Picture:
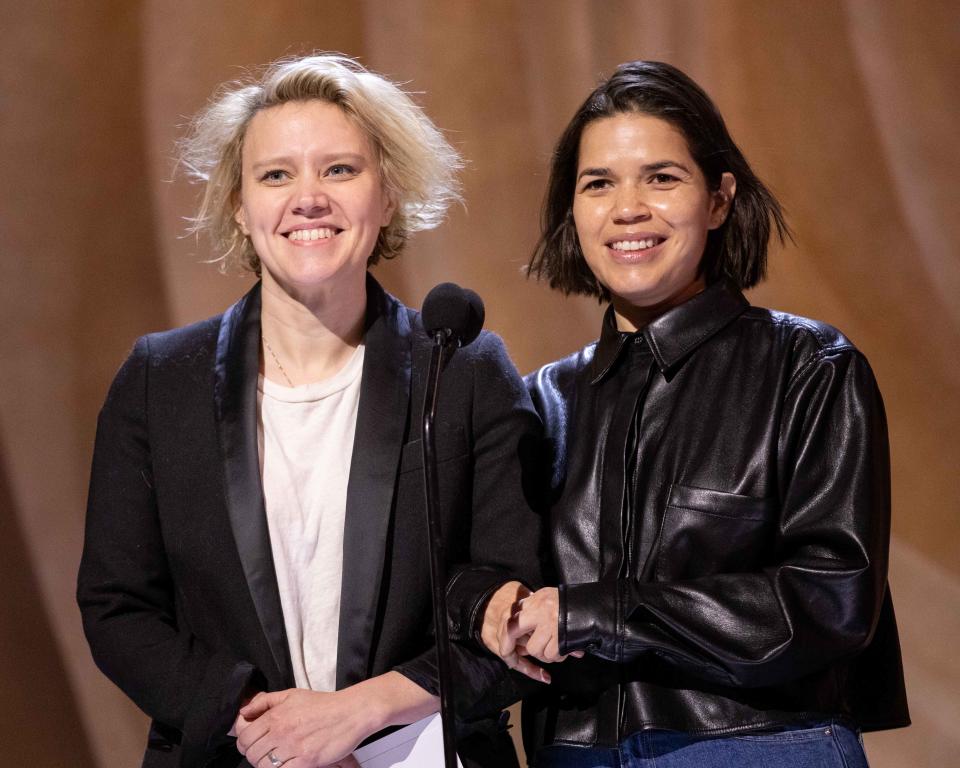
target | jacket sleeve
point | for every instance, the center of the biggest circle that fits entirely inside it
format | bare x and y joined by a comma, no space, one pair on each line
818,598
125,591
504,530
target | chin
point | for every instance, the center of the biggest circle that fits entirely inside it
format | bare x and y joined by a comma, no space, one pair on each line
638,297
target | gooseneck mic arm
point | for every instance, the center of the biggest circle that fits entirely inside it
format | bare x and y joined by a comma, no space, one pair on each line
452,317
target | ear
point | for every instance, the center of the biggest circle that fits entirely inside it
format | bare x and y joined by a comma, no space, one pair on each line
241,220
389,208
722,199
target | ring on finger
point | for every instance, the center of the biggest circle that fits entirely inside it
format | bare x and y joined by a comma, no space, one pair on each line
275,762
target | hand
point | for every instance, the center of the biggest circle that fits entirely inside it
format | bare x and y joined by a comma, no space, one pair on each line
493,632
239,722
304,728
534,628
308,729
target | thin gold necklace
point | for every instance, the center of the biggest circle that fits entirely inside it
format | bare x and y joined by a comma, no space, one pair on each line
276,360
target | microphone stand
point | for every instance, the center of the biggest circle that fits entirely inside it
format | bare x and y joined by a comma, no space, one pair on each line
438,567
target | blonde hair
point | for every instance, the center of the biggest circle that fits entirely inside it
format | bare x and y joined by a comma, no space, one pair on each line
418,167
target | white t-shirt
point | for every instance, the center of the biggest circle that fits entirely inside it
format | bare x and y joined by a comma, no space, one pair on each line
305,437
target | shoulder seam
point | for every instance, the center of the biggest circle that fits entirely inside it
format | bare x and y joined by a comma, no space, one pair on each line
817,357
798,322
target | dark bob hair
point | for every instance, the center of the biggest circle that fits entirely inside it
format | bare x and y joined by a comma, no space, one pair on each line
736,251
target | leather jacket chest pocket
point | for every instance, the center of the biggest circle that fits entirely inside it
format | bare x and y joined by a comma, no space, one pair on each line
706,532
451,443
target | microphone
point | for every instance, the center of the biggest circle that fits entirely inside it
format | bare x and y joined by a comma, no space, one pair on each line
452,316
455,312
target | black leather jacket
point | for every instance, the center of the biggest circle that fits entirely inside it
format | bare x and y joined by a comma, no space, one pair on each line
719,526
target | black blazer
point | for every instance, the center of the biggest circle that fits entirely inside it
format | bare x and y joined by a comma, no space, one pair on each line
177,586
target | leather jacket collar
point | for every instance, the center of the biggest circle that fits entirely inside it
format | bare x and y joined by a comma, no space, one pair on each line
673,335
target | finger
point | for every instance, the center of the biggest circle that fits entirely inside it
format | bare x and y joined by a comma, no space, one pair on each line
510,622
548,649
260,704
511,660
537,643
249,735
505,643
239,726
552,650
510,628
512,636
257,755
491,630
521,595
513,645
521,624
578,654
531,670
498,610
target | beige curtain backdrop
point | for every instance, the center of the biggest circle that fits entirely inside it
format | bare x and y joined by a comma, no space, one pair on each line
847,108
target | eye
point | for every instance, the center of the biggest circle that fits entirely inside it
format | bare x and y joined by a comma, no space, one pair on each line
274,176
595,185
341,169
664,178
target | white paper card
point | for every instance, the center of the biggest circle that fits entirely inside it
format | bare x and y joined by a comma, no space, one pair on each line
418,745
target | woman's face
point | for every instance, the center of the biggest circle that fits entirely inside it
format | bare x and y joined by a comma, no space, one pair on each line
311,198
642,210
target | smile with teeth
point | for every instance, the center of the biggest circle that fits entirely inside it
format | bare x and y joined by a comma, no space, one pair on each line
635,245
321,233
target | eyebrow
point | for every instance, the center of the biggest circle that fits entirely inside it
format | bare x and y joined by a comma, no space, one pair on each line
593,172
648,168
333,157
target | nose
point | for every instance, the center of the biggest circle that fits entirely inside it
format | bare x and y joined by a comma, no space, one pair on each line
311,200
630,205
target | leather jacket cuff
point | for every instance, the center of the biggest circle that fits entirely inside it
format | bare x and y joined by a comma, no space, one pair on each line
467,596
588,619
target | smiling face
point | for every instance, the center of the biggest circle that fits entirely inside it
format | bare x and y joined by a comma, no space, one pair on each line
311,199
642,211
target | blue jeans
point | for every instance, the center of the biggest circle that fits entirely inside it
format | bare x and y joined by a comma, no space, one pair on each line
826,745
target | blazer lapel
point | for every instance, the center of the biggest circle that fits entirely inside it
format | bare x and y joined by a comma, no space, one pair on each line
380,433
235,392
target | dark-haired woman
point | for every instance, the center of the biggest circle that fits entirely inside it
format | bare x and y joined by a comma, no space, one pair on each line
720,487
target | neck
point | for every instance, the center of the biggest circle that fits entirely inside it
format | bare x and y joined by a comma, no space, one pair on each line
311,338
633,317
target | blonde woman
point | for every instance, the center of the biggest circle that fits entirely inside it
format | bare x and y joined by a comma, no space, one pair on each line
255,563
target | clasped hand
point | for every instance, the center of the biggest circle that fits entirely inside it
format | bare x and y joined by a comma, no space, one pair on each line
518,624
301,729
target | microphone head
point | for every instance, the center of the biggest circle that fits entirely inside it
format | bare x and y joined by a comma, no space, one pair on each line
455,309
